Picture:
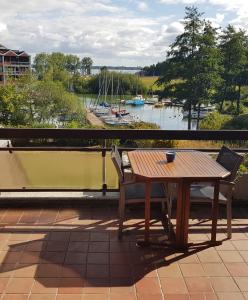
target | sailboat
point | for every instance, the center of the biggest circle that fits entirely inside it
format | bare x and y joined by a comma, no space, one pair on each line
136,101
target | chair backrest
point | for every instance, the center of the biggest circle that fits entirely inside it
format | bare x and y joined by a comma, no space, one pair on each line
230,160
116,158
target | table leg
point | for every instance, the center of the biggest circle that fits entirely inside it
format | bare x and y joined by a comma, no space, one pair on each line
215,211
183,207
147,211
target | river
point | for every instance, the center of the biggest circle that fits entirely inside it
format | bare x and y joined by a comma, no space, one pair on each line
167,117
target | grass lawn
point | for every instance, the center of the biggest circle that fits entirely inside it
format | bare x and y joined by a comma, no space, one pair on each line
149,81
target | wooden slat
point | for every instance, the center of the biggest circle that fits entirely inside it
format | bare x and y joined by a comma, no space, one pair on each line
188,164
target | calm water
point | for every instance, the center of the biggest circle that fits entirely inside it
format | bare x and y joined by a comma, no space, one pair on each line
165,117
170,118
126,71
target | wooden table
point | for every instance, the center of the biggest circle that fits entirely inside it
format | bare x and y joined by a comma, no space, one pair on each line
188,167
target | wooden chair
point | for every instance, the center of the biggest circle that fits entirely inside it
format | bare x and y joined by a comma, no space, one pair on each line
204,193
134,192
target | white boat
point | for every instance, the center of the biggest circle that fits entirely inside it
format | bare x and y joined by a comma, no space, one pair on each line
152,100
167,102
203,112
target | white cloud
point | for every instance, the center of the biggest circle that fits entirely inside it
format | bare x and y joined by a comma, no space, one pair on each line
181,1
108,32
142,6
100,29
3,26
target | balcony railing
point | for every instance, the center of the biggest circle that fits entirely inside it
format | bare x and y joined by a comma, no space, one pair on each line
239,136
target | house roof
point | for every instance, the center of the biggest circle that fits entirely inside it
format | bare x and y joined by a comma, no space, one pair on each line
8,52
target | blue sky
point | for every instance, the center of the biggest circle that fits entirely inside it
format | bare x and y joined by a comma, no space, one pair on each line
120,32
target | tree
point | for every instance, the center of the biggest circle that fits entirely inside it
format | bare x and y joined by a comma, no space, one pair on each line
192,70
182,60
234,50
28,102
86,64
41,64
72,63
208,79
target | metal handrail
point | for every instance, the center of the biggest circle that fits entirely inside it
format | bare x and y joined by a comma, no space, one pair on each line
213,135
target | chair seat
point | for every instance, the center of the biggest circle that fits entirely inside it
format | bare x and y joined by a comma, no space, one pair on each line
202,192
137,191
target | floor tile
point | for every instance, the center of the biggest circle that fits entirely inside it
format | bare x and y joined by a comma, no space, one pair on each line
70,286
75,258
150,297
98,258
173,286
45,286
242,283
16,297
97,286
78,246
171,270
69,297
99,247
209,256
3,284
130,296
98,271
191,270
224,284
215,269
241,245
79,236
230,296
148,286
237,269
25,270
198,284
19,285
230,256
99,236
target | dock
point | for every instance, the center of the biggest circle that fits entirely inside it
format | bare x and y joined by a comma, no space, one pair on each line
94,120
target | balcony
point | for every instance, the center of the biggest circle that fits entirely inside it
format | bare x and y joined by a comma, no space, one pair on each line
60,250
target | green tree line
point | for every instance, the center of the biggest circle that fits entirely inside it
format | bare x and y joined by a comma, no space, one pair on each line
74,73
205,65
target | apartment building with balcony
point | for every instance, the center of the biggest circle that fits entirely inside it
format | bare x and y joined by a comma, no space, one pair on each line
13,63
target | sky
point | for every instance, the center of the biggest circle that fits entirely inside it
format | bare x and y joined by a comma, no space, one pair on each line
111,32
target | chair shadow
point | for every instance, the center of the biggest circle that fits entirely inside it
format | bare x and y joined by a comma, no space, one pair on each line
65,254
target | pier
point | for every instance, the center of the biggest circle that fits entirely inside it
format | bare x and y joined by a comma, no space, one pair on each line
94,120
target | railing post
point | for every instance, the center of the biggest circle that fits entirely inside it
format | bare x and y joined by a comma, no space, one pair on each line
104,184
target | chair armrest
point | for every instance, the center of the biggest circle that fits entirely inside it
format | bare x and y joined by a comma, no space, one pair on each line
228,183
226,188
126,166
128,182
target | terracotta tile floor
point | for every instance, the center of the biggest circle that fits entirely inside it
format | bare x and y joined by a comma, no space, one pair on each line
74,253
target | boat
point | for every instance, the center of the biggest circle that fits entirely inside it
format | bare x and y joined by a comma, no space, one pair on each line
158,105
152,100
119,112
167,102
104,104
136,101
203,112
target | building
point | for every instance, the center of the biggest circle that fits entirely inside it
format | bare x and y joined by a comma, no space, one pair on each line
13,63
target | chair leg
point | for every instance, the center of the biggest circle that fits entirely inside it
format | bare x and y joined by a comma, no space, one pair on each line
169,206
121,211
229,217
